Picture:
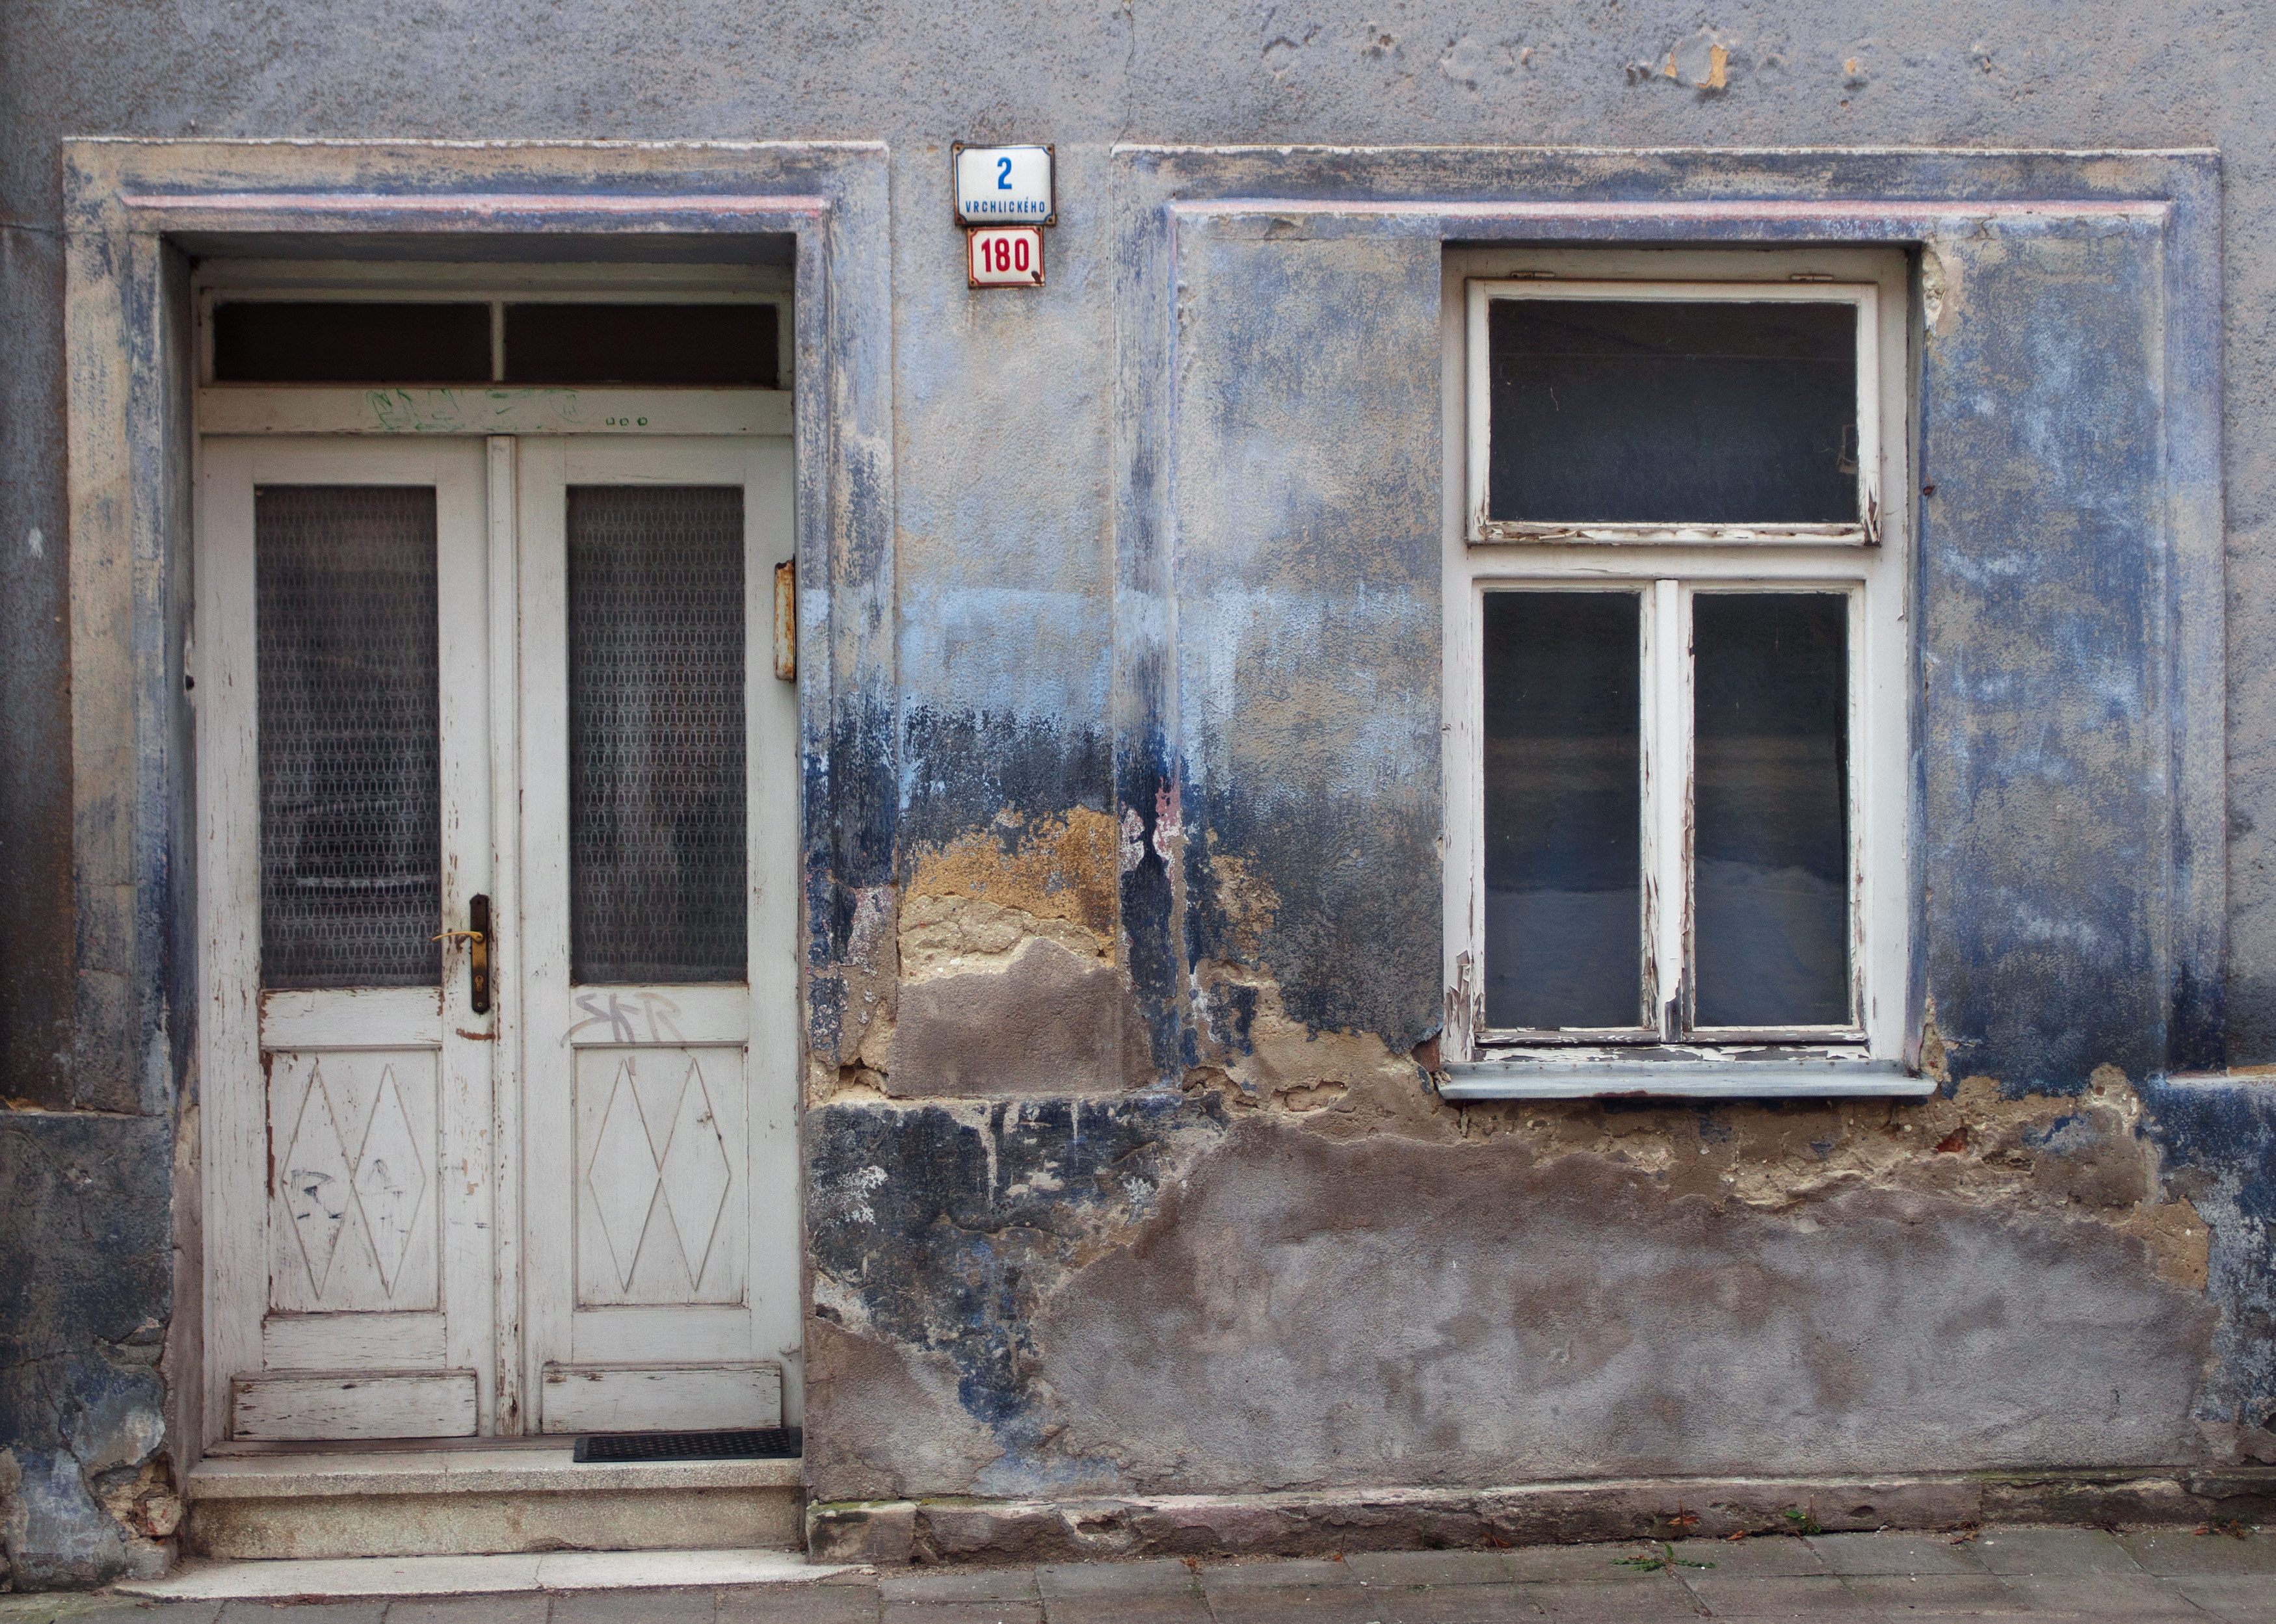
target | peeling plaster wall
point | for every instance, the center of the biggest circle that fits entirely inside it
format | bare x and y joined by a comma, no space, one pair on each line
1125,1174
86,1283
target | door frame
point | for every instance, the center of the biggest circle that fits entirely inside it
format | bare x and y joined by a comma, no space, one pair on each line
534,414
141,215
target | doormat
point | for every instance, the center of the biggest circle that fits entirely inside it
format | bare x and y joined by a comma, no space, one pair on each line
744,1444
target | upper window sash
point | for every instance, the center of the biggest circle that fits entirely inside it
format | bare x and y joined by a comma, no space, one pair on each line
1483,529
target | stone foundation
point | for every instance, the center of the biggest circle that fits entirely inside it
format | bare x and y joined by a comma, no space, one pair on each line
1332,1522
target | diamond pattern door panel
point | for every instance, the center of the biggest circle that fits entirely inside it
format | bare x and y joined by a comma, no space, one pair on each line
660,1203
352,1209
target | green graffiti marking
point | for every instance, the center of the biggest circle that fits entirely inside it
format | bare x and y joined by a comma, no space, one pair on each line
460,412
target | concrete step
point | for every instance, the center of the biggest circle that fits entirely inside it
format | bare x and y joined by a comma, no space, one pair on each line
364,1578
456,1502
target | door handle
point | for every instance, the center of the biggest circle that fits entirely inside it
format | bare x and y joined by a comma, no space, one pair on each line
477,939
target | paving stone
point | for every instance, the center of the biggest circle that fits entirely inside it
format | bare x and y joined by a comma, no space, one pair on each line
118,1610
1332,1604
1569,1564
1753,1559
690,1606
2233,1599
1897,1553
799,1604
1937,1595
314,1612
1374,1604
1229,1578
2104,1596
1652,1599
963,1612
1455,1604
2177,1550
1404,1568
77,1608
959,1584
1790,1595
2054,1552
1191,1608
526,1609
1168,1576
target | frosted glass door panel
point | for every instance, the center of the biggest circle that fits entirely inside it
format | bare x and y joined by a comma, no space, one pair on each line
350,735
657,859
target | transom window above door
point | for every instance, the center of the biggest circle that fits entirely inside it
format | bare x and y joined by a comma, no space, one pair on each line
707,343
328,347
1676,639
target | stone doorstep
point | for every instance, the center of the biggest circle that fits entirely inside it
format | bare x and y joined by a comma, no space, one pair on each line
477,1575
518,1471
474,1502
1323,1522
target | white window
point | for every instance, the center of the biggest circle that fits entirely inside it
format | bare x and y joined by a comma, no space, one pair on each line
1676,645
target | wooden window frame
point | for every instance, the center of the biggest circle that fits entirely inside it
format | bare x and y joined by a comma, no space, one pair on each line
1667,567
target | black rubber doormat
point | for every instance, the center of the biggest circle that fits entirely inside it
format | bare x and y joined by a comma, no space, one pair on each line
742,1444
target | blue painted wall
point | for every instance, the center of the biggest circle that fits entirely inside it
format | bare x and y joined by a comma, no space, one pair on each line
1164,621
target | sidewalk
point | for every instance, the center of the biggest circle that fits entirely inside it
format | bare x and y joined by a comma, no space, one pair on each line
2076,1573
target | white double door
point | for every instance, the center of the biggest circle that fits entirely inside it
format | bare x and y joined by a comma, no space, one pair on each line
543,1178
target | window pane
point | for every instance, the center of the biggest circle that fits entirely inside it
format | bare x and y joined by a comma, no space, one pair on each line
1771,925
343,341
349,715
1631,411
1563,809
656,734
722,345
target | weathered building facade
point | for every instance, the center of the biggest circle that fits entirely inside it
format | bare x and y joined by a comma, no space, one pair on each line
1121,1127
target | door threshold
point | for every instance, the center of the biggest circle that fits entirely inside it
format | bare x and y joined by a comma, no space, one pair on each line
349,1577
237,1448
548,1468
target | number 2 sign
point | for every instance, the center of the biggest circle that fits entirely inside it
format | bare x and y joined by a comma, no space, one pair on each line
1004,186
1004,256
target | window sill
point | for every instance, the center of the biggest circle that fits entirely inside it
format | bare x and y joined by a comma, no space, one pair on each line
1680,1079
1535,533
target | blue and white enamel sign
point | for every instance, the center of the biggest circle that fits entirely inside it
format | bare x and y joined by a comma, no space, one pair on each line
1004,186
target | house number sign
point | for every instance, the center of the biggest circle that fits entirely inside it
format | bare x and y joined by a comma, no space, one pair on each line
1004,256
1005,196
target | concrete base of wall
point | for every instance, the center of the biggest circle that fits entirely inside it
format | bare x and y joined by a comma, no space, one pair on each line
480,1503
1330,1521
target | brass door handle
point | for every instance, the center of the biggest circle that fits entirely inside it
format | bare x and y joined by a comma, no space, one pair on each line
478,941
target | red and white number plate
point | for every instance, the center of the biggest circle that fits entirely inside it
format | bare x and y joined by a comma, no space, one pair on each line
1006,256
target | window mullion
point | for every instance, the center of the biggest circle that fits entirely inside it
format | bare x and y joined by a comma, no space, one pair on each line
1669,747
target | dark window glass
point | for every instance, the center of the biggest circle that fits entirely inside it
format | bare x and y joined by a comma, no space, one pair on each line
343,342
1564,812
656,858
1771,894
723,346
1663,412
349,703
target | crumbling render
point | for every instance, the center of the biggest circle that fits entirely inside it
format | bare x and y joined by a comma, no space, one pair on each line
1030,905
